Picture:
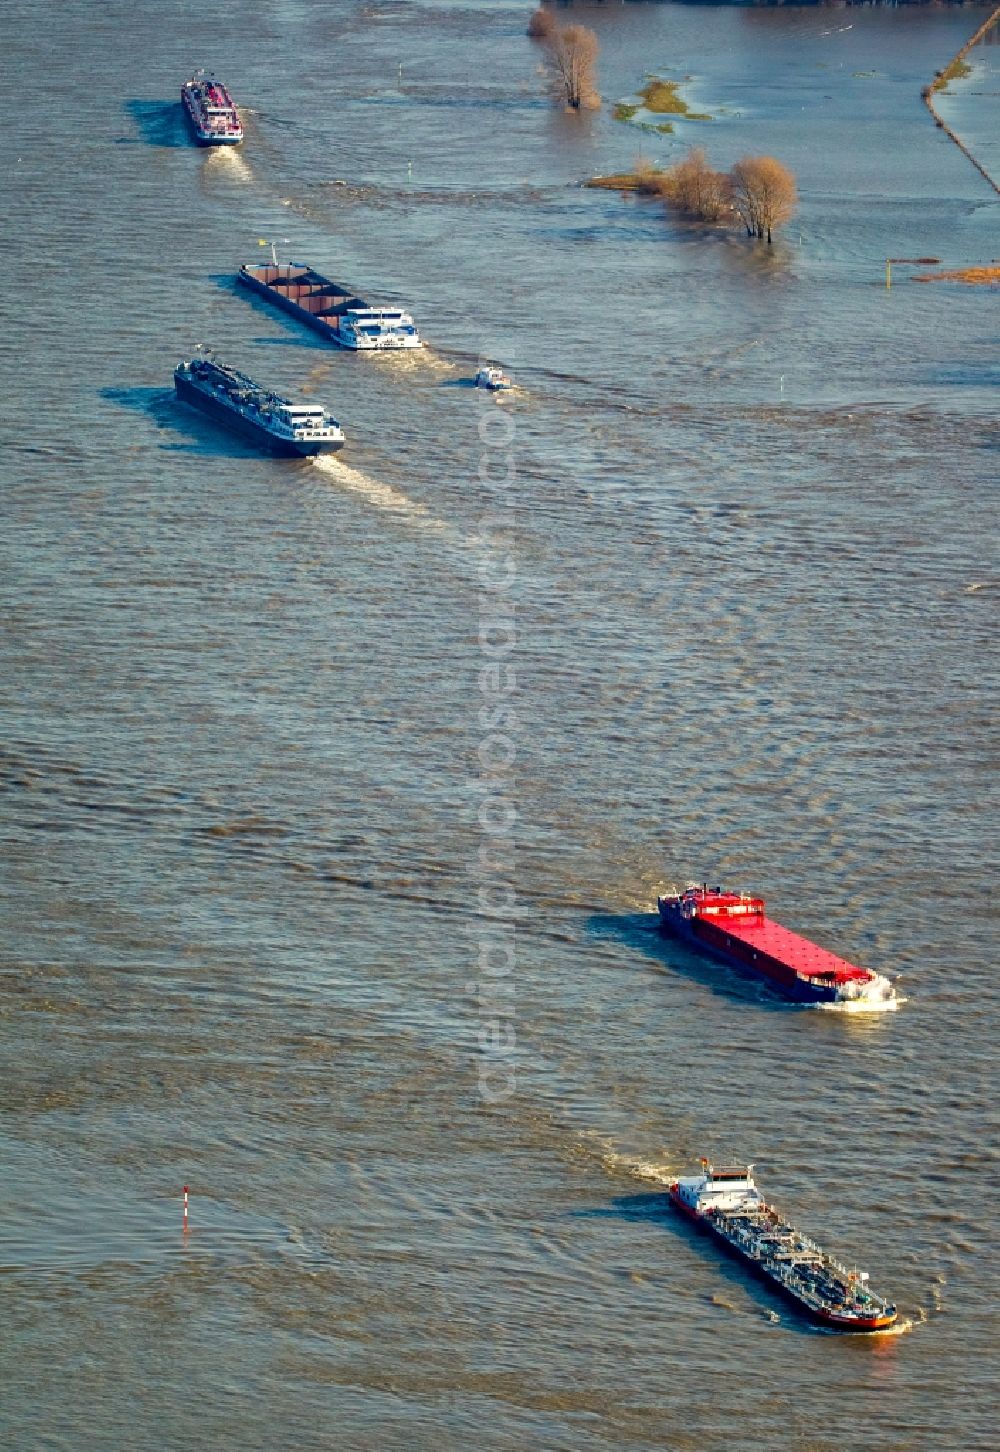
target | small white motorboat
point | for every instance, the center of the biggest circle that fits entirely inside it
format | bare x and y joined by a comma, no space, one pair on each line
493,378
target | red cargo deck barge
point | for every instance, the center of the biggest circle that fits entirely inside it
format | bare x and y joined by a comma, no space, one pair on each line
735,927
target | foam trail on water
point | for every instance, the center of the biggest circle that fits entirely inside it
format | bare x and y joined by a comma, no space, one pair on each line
383,496
642,1170
415,360
463,551
616,1163
858,1006
227,159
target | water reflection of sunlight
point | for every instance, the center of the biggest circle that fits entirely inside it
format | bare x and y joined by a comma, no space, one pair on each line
884,1350
413,360
383,496
226,162
860,1014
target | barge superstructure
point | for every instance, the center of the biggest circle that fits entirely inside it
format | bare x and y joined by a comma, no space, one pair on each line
283,427
494,379
333,310
727,1203
734,927
211,111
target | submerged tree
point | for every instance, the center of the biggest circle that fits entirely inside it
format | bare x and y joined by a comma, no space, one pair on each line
693,187
572,59
542,24
763,194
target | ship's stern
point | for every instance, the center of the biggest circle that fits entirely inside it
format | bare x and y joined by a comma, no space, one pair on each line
875,994
669,909
309,450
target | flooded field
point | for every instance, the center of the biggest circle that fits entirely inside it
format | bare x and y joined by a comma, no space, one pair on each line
726,555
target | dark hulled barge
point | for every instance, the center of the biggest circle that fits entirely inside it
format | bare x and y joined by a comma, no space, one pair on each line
299,429
727,1204
734,927
331,309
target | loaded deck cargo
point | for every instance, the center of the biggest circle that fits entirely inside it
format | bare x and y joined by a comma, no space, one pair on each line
334,310
728,1204
276,423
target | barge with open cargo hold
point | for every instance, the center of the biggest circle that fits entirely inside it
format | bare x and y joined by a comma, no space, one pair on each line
733,926
727,1204
334,311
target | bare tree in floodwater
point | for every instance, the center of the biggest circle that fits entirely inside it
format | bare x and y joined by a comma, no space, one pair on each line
764,194
542,24
693,187
572,61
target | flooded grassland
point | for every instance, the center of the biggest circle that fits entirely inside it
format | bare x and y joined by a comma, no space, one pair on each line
745,505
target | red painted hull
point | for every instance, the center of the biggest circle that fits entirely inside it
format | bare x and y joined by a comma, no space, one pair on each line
855,1323
735,928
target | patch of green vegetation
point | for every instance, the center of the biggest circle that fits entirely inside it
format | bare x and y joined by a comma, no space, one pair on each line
661,97
625,181
657,98
645,179
956,71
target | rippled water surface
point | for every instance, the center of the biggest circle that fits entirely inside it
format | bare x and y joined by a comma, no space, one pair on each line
751,535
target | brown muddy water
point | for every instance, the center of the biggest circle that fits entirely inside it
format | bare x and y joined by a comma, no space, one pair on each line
750,541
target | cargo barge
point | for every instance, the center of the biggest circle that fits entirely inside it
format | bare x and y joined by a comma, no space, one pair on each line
334,311
727,1204
211,111
233,399
733,926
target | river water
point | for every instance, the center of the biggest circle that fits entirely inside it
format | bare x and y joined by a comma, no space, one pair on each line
753,591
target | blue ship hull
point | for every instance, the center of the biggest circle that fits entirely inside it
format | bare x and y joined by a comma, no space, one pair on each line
250,429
